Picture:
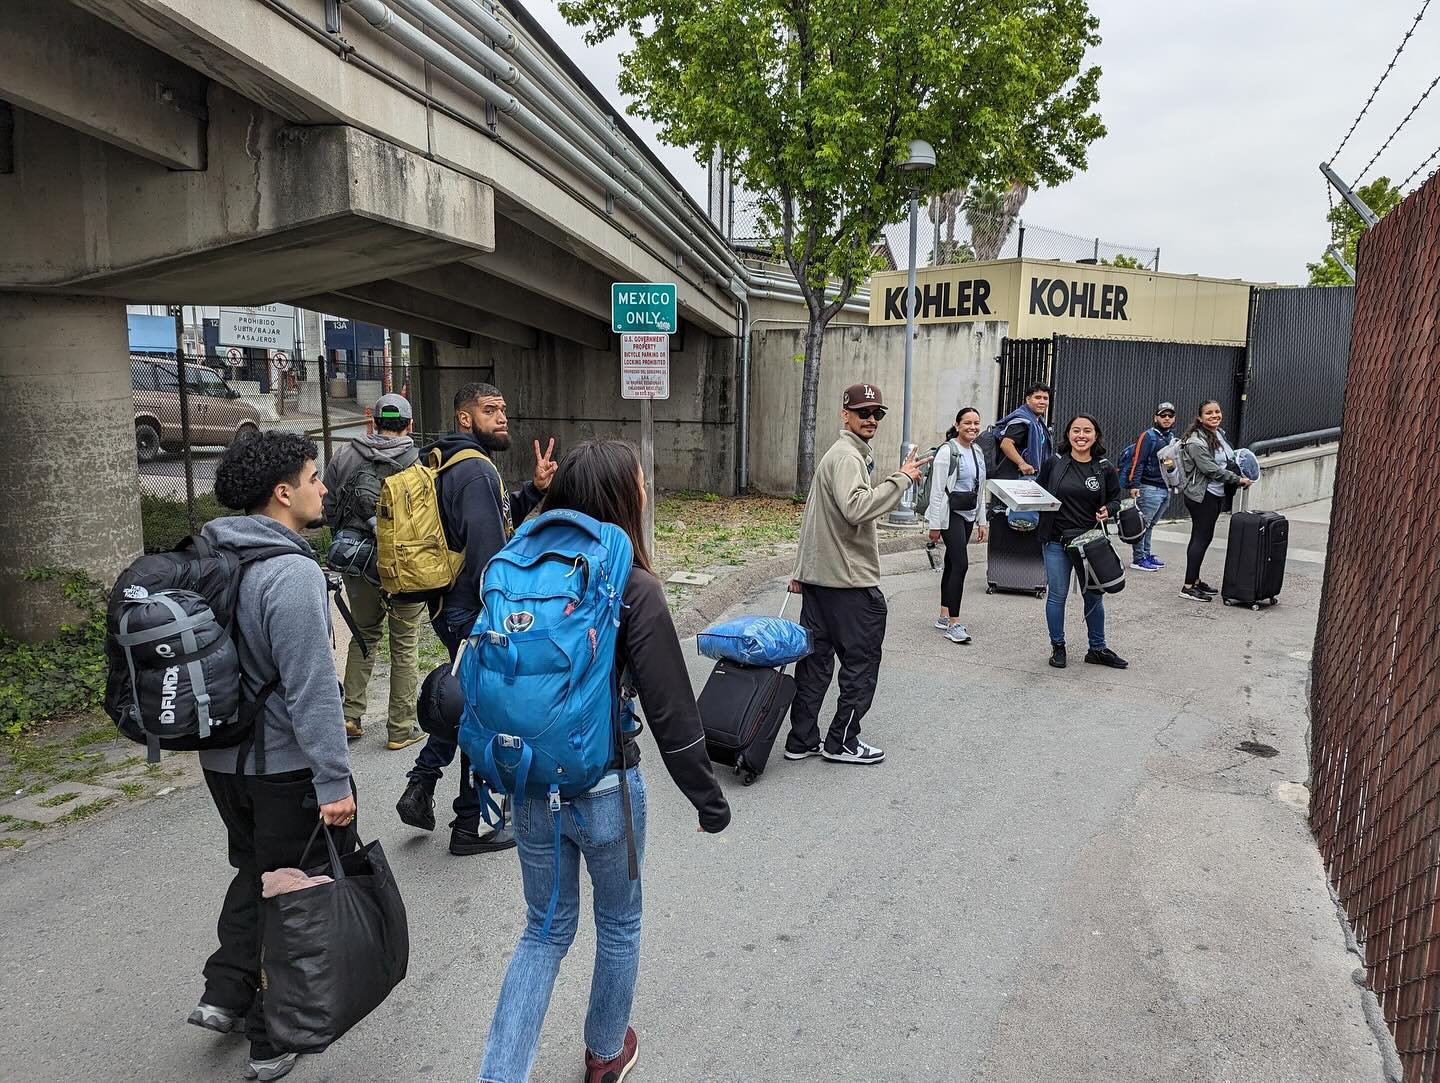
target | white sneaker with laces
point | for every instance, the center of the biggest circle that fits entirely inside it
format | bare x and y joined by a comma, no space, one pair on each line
859,752
956,633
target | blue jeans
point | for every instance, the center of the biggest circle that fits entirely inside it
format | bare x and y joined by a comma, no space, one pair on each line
593,824
1151,502
1059,571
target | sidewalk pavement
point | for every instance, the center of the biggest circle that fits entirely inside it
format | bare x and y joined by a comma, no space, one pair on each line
1064,876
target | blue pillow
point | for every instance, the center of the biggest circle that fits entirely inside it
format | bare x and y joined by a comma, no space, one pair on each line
1248,464
756,641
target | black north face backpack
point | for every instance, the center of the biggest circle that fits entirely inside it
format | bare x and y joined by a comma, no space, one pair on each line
173,679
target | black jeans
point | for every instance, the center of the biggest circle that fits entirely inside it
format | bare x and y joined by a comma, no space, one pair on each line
850,622
439,752
1203,517
268,820
957,562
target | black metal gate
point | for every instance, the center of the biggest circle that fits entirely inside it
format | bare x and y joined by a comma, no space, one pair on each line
1024,362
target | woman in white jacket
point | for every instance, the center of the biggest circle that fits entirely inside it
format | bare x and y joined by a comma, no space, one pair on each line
956,497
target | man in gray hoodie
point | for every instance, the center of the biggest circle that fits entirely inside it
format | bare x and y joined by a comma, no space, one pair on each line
294,769
352,486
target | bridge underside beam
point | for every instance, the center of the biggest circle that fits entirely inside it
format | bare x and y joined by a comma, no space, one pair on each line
404,299
491,294
68,65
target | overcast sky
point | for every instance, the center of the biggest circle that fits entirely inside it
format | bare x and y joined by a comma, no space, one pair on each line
1219,114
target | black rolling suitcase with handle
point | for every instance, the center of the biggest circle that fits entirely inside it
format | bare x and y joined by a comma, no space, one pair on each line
1255,557
741,710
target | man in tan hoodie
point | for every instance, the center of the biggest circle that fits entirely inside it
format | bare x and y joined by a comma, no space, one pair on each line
839,577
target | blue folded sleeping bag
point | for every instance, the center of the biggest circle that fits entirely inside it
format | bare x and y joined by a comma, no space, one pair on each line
756,641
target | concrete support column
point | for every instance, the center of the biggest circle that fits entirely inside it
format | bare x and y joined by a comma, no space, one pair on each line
68,475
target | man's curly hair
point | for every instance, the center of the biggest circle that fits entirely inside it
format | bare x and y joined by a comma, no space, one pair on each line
250,469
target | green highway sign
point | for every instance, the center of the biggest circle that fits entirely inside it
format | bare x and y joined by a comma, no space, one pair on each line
643,307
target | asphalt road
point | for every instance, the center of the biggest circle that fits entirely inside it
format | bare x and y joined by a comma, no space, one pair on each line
1055,876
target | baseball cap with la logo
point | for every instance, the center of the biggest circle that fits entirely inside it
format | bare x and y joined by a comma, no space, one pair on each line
858,395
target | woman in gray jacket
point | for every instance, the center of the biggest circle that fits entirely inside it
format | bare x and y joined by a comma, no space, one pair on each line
1210,481
959,469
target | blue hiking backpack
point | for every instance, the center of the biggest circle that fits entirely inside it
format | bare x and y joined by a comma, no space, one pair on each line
544,710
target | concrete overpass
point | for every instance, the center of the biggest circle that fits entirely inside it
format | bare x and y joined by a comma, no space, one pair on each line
436,166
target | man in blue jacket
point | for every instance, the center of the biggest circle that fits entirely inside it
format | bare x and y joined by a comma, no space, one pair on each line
1140,473
479,515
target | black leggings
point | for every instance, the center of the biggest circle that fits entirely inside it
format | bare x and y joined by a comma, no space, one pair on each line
1202,532
957,563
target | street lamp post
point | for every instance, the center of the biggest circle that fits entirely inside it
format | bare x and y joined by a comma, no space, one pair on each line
921,161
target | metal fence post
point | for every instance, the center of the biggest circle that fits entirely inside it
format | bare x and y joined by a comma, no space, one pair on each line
324,407
1020,249
178,311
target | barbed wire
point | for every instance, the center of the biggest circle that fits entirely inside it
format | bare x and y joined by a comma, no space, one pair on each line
1420,168
1383,76
1434,83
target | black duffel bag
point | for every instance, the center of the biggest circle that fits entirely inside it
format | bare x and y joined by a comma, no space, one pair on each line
1130,523
330,954
441,703
1097,565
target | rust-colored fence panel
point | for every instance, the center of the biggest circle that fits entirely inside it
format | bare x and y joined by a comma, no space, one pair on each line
1375,693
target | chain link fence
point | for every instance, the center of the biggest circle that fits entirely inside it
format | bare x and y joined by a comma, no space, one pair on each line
1375,684
950,233
182,430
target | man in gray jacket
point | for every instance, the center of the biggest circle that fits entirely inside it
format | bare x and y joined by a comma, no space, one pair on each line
839,577
353,478
294,770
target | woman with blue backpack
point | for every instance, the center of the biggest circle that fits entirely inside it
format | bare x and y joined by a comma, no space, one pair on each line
1088,488
586,557
957,494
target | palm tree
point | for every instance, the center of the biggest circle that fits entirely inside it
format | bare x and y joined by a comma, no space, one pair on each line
991,214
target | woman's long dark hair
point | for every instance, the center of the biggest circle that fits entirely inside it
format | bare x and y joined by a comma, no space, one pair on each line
954,430
599,478
1062,445
1211,441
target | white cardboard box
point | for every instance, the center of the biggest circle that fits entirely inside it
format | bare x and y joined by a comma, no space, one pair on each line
1023,495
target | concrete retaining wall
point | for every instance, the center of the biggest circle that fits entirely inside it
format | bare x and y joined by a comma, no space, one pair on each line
1291,478
954,366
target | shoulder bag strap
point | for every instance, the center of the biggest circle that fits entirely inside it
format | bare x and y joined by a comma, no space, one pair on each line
1135,460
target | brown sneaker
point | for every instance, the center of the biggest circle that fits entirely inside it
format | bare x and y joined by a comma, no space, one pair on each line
353,729
616,1069
405,740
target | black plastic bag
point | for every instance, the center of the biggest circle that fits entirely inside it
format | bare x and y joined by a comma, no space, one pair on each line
330,954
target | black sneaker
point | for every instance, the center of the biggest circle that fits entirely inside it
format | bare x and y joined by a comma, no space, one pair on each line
466,840
1057,655
1195,594
1106,657
1204,587
416,806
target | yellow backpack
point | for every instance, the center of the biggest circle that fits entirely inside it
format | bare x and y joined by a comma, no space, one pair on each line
413,556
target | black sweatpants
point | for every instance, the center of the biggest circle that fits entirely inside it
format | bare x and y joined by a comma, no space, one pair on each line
957,562
844,621
1203,517
269,819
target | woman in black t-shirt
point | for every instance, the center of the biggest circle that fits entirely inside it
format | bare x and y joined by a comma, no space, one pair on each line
1088,488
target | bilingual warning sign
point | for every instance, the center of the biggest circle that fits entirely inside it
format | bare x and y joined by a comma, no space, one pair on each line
644,366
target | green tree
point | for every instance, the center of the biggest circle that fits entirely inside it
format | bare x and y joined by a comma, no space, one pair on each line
815,103
1122,260
1346,226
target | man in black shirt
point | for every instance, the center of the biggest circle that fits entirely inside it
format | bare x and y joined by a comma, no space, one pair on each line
1024,439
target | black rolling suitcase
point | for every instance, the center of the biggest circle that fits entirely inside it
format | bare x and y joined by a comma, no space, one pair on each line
1255,557
1013,561
741,710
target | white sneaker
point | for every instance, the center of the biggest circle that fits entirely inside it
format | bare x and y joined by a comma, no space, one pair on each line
956,633
942,624
859,752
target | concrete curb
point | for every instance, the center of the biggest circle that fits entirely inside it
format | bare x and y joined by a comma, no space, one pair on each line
706,606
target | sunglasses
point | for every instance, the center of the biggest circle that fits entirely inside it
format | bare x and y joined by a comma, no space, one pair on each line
867,412
1166,413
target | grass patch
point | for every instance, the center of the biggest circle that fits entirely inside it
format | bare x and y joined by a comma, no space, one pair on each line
15,823
132,789
59,799
57,678
163,522
85,811
694,531
11,844
64,752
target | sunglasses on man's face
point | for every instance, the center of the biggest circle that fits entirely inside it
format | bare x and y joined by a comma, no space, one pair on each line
866,413
1165,413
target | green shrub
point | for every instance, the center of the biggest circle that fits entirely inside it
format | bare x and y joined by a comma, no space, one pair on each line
163,521
64,675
